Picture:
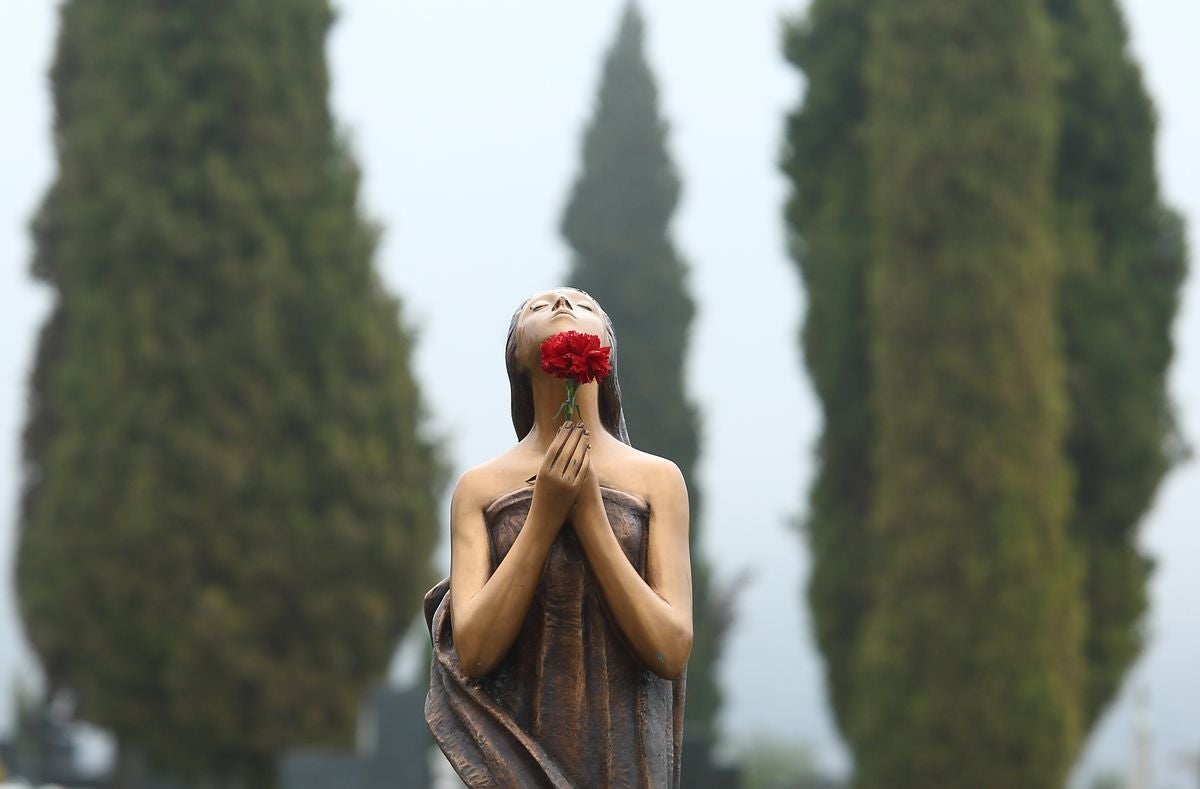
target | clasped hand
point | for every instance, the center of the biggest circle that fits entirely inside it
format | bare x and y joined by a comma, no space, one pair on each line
566,471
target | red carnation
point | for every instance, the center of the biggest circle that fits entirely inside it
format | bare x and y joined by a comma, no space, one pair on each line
577,358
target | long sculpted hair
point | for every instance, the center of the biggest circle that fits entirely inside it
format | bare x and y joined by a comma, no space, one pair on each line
611,415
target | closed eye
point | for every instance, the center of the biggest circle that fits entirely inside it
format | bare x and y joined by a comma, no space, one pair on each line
537,307
586,307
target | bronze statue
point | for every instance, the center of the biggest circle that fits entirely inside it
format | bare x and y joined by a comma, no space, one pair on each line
561,637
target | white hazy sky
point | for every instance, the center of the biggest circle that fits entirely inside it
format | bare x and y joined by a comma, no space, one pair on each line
466,116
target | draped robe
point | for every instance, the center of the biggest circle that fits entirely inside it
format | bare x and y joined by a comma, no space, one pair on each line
570,705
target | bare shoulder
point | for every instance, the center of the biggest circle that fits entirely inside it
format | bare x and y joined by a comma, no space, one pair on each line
653,465
665,473
668,482
658,478
480,485
468,487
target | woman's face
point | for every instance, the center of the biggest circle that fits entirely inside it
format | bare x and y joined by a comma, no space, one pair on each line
554,311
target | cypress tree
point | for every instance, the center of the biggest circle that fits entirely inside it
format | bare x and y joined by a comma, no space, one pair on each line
1123,263
229,509
830,241
1121,257
970,656
617,224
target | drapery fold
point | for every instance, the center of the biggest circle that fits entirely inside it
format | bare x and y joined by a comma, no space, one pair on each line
570,705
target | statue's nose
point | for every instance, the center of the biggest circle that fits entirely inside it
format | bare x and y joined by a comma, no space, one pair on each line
562,300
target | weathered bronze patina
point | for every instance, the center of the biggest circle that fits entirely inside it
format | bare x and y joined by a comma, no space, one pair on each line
561,636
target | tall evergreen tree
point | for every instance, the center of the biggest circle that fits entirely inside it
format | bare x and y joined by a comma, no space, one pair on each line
970,655
229,509
617,223
831,243
1123,258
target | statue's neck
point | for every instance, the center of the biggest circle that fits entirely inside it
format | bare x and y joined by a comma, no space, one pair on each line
549,393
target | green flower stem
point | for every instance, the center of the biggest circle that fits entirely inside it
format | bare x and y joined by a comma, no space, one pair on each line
572,409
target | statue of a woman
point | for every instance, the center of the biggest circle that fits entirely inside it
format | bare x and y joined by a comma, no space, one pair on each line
561,636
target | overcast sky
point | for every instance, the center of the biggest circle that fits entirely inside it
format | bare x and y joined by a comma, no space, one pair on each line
465,117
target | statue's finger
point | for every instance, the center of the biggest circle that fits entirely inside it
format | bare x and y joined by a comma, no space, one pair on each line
584,464
572,446
560,443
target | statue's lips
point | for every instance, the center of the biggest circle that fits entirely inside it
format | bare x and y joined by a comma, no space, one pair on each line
562,314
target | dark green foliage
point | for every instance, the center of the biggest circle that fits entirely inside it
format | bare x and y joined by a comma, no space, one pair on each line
969,669
1119,260
617,224
1123,262
229,509
831,243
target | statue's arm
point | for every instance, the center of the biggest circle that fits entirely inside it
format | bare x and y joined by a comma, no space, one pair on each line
487,608
654,614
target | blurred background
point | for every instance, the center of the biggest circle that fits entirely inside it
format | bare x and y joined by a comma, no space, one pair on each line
218,250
